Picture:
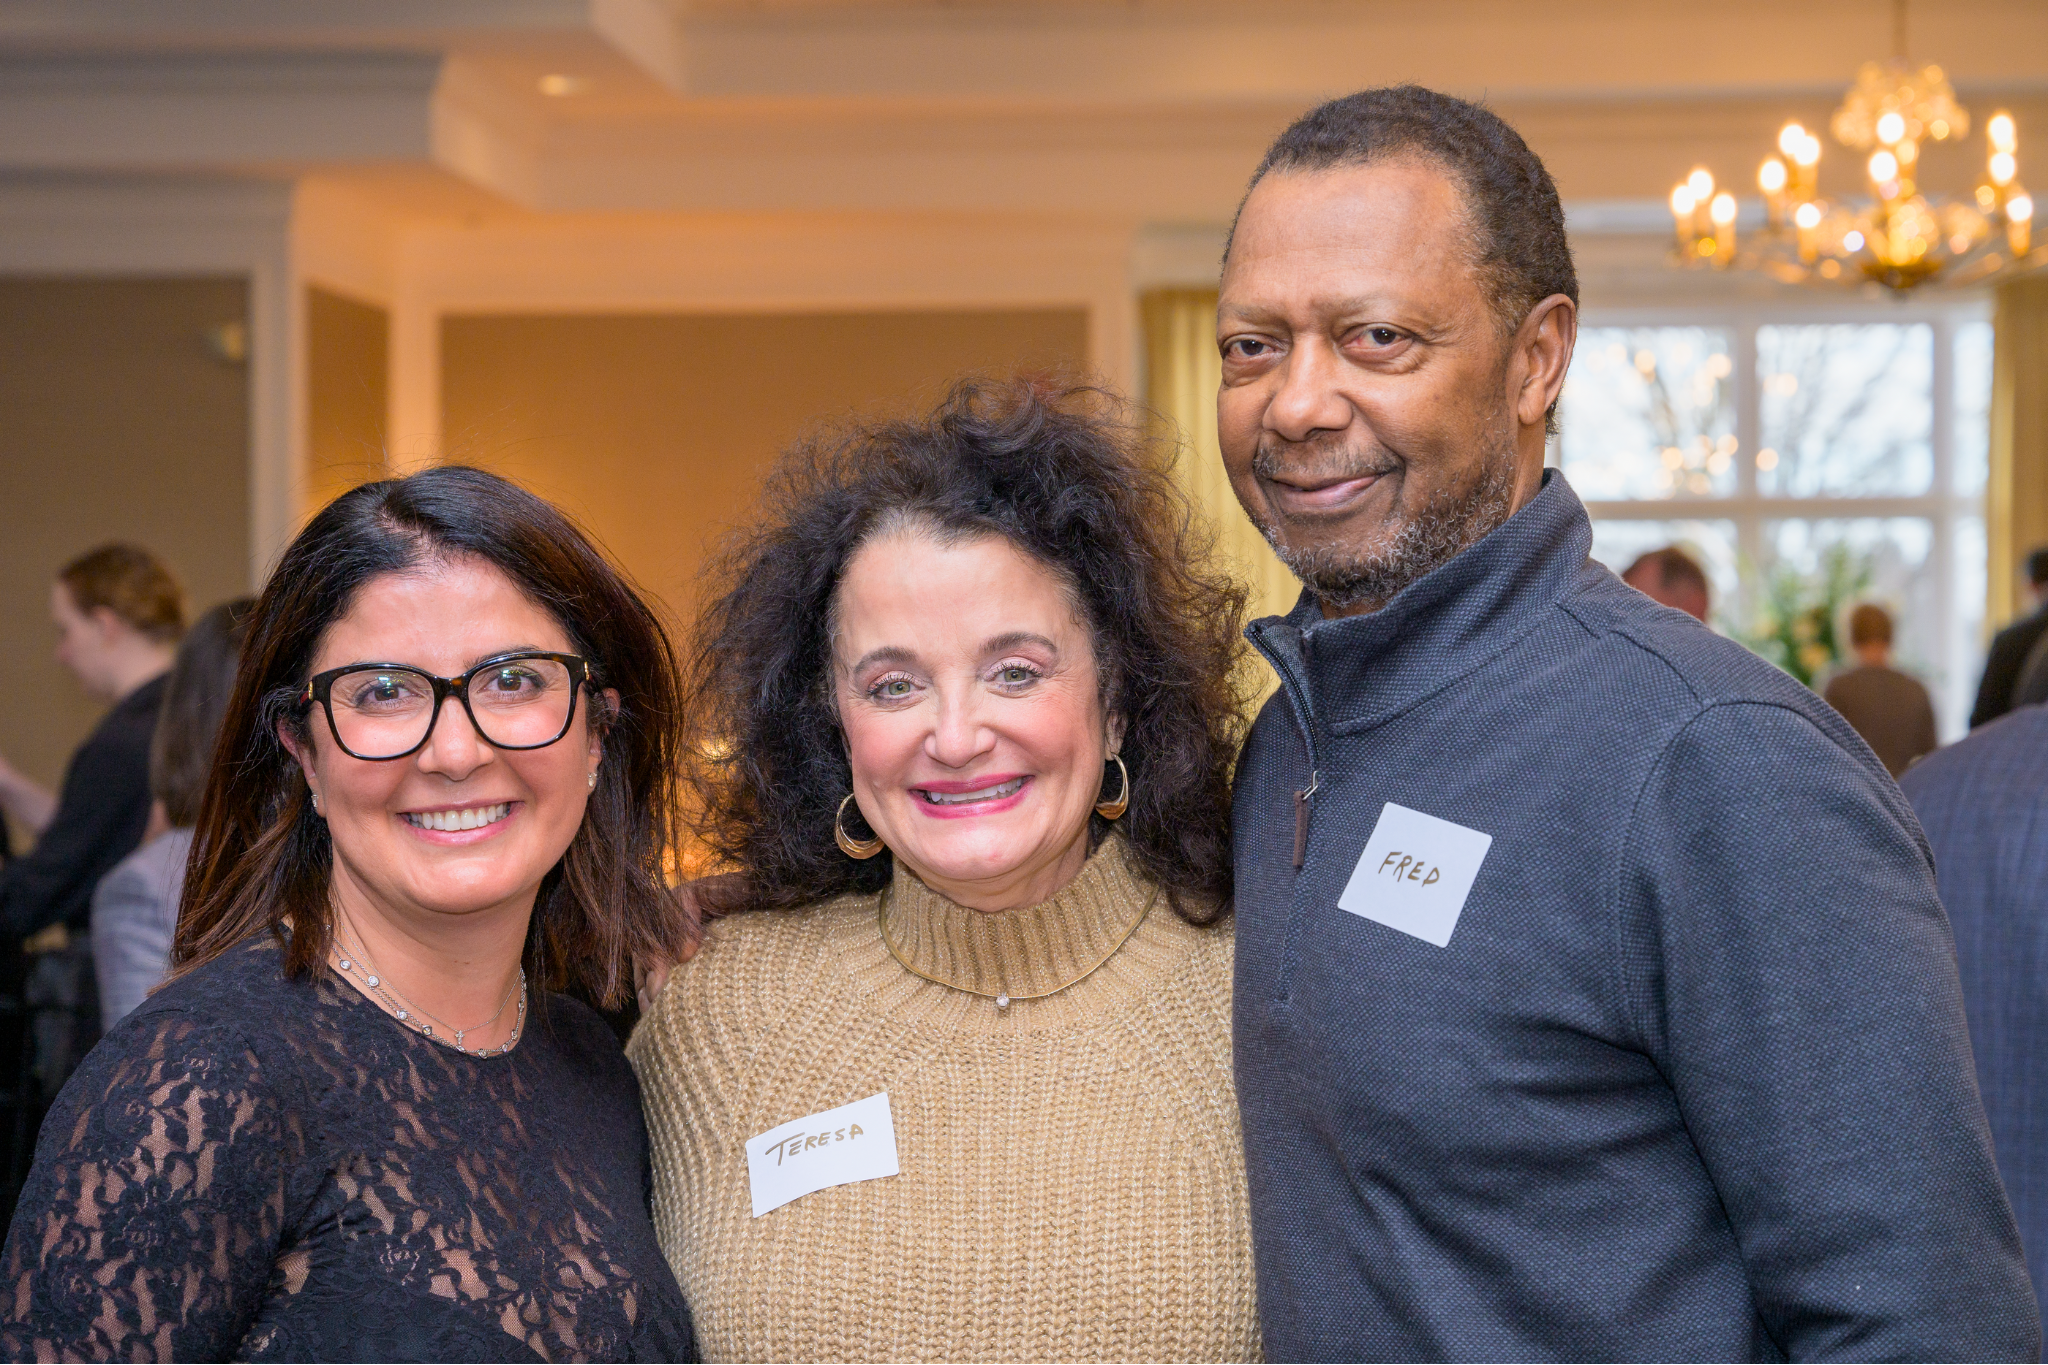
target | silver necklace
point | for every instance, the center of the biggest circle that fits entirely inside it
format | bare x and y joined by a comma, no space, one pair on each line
416,1018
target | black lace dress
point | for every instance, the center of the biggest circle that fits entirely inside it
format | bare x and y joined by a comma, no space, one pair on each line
251,1168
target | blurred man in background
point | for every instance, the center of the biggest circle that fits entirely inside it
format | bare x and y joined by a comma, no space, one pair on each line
2011,646
1890,709
1674,578
1984,805
119,615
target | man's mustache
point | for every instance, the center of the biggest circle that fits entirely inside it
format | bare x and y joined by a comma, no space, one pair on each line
1319,460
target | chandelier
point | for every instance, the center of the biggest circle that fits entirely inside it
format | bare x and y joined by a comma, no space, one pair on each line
1899,237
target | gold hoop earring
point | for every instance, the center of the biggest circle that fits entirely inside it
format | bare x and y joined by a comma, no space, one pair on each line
861,849
1110,810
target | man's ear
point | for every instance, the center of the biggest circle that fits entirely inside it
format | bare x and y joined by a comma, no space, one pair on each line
108,622
1543,350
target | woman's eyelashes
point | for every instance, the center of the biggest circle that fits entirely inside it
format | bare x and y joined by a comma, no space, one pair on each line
1009,676
1014,675
891,687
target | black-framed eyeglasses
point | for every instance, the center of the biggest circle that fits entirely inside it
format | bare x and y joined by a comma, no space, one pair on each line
380,712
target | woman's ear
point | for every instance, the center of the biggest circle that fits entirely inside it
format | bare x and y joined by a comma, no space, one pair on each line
302,754
602,722
298,749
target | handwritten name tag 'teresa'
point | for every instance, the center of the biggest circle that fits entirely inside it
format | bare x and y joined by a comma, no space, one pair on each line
833,1147
1415,873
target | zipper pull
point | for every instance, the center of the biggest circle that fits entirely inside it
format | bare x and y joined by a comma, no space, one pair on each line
1301,820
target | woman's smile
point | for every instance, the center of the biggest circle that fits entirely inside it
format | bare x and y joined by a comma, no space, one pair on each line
980,796
464,824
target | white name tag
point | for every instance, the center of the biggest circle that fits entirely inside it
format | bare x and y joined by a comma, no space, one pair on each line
1415,873
836,1147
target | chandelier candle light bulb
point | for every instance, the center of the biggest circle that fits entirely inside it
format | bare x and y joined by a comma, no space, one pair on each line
1899,237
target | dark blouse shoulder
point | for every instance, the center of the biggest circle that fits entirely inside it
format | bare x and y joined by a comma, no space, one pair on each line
247,1161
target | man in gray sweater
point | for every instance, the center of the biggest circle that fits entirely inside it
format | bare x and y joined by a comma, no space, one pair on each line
1594,1000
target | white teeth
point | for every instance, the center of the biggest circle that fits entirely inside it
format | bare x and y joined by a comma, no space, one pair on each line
447,821
995,793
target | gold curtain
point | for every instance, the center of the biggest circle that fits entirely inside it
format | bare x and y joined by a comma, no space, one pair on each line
2016,499
1182,372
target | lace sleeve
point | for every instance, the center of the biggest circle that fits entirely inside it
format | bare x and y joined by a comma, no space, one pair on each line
151,1219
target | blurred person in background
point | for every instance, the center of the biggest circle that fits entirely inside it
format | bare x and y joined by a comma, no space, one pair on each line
1890,709
135,909
2032,687
1984,804
1674,578
343,1130
2011,647
119,614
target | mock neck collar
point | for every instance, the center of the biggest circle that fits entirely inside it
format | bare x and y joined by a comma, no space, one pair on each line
1360,670
1027,951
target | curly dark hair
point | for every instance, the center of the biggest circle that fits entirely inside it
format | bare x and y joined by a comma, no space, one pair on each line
1069,475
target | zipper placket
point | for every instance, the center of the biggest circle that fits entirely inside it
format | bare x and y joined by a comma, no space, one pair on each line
1296,688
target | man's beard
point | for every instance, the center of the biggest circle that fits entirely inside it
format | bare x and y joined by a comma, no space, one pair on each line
1346,577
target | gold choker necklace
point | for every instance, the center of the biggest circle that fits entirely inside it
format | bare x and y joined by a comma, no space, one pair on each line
1003,998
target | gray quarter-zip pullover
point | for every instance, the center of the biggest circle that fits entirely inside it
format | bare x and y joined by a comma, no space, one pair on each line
1684,1073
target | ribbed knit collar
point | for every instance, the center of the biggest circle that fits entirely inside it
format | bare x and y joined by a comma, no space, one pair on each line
1026,951
1357,671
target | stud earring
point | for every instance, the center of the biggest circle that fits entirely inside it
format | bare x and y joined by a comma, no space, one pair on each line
1110,810
316,803
593,779
861,849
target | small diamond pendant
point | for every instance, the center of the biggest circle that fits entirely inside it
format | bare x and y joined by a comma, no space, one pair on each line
373,981
1002,1002
347,966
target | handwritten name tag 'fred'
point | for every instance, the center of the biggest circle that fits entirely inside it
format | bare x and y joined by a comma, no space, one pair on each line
1415,873
836,1147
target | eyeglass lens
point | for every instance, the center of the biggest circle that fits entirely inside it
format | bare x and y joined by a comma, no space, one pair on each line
386,712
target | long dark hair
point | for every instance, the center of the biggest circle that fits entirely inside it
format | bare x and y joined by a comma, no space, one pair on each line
261,859
1067,475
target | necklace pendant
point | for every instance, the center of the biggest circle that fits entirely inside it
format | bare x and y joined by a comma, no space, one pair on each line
373,983
1002,1002
347,965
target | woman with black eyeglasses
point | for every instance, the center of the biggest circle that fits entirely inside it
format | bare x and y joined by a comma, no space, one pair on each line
358,1123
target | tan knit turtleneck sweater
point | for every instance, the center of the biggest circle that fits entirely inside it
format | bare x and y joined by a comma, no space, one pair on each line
1072,1183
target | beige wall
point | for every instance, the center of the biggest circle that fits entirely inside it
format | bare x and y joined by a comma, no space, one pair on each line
348,349
123,421
655,430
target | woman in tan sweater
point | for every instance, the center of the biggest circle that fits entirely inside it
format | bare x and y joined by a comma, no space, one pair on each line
951,1079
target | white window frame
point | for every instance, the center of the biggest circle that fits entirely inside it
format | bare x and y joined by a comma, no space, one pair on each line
1942,505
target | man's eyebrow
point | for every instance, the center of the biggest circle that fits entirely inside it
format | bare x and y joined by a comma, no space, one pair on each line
1011,639
1356,303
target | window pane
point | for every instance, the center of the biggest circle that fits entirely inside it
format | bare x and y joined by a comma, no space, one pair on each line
1966,630
1648,413
1847,409
1712,543
1973,406
1886,562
